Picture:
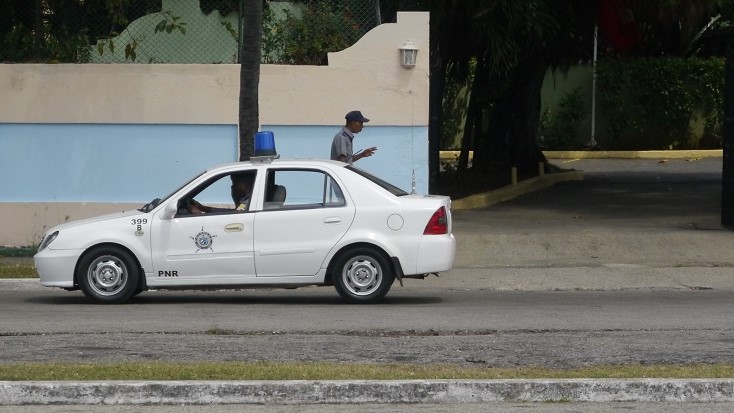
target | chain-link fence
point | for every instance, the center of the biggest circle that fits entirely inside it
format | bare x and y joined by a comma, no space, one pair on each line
177,31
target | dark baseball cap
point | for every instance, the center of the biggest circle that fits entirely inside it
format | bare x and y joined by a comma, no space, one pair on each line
355,116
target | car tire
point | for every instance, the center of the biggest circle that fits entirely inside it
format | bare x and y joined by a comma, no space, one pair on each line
362,275
108,275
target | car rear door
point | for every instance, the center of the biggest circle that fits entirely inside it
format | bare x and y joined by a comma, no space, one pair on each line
293,238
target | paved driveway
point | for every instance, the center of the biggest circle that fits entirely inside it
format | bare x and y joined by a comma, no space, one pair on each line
630,223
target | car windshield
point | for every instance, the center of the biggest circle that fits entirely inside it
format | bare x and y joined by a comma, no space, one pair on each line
383,184
155,202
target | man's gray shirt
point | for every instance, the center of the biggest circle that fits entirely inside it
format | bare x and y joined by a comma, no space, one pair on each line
342,145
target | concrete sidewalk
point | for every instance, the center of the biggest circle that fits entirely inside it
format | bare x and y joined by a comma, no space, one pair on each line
364,392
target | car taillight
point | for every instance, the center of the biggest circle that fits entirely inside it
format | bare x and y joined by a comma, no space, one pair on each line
438,224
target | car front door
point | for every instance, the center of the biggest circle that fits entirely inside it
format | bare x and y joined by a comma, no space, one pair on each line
207,248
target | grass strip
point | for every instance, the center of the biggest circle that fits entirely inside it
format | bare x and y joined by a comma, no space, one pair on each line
338,371
17,270
18,251
16,262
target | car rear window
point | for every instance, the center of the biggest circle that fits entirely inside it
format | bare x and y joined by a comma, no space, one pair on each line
383,184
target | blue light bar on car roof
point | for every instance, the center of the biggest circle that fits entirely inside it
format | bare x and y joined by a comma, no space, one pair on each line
265,144
264,148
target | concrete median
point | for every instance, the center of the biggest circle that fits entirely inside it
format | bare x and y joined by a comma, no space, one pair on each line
357,392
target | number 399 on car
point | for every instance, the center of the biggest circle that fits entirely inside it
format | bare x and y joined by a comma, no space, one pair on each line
262,223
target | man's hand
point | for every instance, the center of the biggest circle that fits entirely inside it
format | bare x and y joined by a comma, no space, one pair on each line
367,152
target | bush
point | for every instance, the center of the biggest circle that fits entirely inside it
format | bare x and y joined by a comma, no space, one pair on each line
306,37
558,131
653,103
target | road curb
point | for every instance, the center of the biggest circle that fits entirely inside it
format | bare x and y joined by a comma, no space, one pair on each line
680,154
448,156
356,392
511,191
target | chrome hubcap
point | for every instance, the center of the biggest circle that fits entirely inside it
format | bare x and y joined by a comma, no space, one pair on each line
107,275
362,276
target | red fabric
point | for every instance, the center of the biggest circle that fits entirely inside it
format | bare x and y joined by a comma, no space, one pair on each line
618,24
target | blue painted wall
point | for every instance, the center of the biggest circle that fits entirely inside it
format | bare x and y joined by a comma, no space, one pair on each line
106,163
135,163
400,149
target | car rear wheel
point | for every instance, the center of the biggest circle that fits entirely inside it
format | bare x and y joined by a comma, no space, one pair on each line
362,275
108,275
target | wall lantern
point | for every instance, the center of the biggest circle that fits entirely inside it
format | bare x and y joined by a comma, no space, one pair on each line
408,54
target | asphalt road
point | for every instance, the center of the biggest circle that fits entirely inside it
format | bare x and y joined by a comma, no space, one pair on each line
472,328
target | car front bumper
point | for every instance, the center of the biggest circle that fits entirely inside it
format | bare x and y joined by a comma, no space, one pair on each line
56,267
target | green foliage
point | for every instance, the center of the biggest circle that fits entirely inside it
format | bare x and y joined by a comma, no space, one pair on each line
28,251
130,50
62,30
72,30
270,34
557,131
109,44
654,102
167,24
306,39
170,23
231,30
21,44
455,104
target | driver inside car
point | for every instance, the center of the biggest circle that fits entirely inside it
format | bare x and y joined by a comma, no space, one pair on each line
241,195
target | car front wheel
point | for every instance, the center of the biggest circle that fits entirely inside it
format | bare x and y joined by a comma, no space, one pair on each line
108,275
362,275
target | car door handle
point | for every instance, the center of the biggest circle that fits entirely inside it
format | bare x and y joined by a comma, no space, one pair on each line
234,227
332,220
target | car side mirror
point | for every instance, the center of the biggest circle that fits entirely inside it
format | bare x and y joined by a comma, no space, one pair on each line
169,211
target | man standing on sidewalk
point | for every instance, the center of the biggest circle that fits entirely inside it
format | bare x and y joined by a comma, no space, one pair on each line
341,146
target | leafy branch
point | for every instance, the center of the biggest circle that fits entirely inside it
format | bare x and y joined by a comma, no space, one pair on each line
170,23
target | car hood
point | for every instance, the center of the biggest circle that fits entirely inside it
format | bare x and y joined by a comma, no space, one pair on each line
106,217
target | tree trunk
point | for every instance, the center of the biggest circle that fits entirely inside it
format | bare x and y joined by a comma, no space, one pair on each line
473,122
38,30
437,74
249,111
511,139
466,138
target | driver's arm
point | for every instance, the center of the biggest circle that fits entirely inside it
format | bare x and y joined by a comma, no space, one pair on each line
195,207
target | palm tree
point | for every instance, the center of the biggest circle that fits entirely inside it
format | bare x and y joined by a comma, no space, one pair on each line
249,120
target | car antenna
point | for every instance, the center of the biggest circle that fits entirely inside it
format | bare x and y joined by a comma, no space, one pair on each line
412,139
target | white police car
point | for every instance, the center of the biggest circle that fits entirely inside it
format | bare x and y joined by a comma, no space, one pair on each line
306,222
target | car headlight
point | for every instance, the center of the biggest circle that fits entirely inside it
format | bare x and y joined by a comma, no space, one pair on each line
46,241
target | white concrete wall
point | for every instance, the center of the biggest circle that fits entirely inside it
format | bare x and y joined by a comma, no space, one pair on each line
295,99
366,76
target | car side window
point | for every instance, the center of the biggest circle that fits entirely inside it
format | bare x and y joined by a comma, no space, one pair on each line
218,195
334,195
301,189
